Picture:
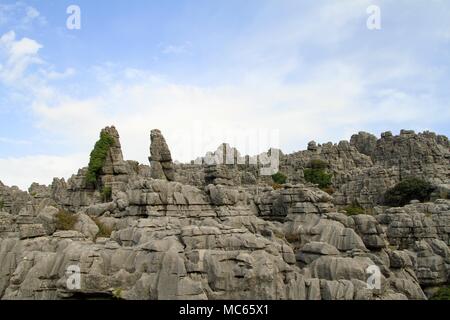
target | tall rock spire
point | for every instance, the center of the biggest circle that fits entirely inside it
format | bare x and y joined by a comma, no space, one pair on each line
114,161
160,157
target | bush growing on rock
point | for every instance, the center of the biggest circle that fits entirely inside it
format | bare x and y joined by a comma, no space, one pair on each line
98,157
354,209
407,190
104,231
65,220
117,293
318,164
279,178
442,294
106,194
316,173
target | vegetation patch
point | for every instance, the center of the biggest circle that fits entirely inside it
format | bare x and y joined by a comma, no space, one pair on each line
316,173
103,230
318,164
277,186
98,157
106,194
442,294
407,190
329,190
279,178
117,293
65,220
354,209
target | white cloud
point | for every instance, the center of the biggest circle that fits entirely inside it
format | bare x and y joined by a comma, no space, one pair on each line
19,15
177,48
55,75
13,141
17,56
32,13
135,107
323,108
22,171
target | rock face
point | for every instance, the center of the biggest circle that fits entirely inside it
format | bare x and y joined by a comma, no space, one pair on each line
160,158
12,199
362,169
223,166
364,142
229,235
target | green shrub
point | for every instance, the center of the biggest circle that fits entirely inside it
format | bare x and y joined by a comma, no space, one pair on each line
117,293
442,294
279,178
98,157
106,194
354,209
316,173
318,164
103,230
407,190
318,176
65,220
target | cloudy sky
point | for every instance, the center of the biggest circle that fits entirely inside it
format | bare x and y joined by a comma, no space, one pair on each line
208,71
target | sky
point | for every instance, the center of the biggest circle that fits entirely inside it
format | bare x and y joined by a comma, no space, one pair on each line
254,73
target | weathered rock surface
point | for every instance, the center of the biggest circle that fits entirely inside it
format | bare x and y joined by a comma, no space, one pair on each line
221,231
160,157
362,169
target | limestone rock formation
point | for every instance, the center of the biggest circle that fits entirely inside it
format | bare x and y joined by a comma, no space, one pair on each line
160,157
364,142
362,169
222,231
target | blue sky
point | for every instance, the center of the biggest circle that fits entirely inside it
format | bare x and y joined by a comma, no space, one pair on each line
206,71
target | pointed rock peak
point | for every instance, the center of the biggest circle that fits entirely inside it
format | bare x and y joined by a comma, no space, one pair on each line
312,146
113,133
159,150
106,157
115,149
160,157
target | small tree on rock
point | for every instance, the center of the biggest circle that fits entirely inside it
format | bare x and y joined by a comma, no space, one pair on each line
98,157
407,190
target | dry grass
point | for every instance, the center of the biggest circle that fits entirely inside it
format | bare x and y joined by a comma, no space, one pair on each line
65,220
103,230
329,190
276,186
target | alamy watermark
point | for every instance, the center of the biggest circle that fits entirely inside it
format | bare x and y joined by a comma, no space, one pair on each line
73,281
374,279
73,22
374,19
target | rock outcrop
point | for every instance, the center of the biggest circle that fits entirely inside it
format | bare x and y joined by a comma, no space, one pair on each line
221,231
160,157
362,170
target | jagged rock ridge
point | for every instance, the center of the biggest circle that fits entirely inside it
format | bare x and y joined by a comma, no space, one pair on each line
220,231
